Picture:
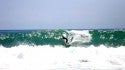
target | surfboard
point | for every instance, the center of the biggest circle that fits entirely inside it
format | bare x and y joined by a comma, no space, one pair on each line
68,45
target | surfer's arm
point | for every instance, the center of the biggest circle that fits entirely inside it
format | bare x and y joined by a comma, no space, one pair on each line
71,39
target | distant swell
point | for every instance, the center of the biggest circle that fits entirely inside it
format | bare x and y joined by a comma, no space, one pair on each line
54,37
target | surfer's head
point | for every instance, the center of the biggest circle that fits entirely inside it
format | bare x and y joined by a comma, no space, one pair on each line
64,35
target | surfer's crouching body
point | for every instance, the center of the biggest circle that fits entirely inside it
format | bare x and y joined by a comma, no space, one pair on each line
67,43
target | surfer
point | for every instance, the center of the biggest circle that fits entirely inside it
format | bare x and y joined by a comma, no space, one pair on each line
67,42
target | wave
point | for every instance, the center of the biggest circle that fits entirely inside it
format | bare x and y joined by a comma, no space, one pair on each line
84,38
108,37
44,37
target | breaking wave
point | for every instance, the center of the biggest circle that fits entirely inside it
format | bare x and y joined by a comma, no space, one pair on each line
84,38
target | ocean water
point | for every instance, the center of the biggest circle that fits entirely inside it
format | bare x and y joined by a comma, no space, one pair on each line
47,50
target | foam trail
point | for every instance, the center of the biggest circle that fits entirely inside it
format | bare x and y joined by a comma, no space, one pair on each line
26,57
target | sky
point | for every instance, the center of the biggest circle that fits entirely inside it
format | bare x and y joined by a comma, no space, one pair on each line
62,14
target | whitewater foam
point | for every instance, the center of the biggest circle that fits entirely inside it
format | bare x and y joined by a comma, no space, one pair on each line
79,37
24,57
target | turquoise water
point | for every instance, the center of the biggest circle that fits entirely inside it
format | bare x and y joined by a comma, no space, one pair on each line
84,38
